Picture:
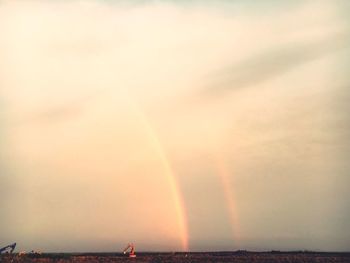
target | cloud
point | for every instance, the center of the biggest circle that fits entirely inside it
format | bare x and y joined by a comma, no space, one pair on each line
89,81
273,63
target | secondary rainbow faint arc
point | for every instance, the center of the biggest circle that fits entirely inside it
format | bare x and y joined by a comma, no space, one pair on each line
224,177
175,191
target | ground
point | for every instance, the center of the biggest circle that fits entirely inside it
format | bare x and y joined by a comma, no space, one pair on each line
203,257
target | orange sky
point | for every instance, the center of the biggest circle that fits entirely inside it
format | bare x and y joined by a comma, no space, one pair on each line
176,126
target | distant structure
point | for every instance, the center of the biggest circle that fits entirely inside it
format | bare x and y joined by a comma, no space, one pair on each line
130,247
8,249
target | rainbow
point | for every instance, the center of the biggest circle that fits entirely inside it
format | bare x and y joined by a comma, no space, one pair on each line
224,177
174,187
170,176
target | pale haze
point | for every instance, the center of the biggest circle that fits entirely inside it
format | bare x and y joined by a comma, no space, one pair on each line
176,125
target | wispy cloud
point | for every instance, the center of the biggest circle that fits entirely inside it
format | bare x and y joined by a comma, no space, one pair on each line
272,63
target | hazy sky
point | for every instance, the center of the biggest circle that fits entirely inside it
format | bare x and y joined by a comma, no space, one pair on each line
176,125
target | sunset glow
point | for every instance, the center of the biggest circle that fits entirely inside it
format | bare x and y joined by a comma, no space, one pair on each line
174,125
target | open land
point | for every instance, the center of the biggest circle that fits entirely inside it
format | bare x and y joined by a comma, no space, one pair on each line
193,257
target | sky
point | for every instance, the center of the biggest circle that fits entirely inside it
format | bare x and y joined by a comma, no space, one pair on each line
176,125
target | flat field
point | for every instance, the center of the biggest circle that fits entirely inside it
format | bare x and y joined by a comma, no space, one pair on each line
238,256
